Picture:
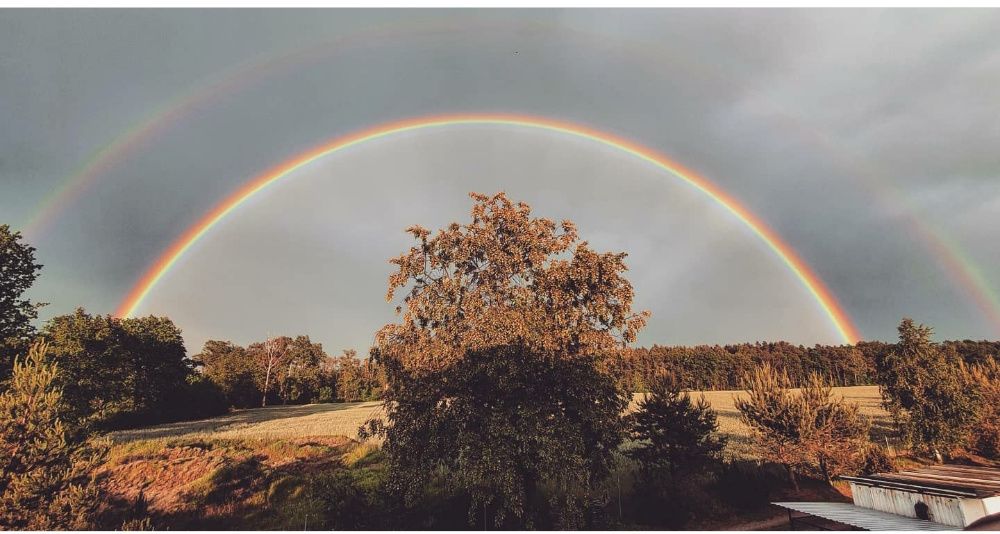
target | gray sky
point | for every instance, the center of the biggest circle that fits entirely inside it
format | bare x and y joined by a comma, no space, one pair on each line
840,129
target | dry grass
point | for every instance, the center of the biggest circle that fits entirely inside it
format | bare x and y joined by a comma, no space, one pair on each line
344,420
274,422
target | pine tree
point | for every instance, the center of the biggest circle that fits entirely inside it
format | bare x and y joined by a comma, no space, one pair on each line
45,476
924,391
673,432
805,431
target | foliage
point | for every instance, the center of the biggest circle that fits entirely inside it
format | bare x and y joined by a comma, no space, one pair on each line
45,476
228,367
706,367
122,372
299,380
495,372
809,430
18,272
923,388
506,279
300,372
673,434
497,424
719,367
984,380
876,459
356,379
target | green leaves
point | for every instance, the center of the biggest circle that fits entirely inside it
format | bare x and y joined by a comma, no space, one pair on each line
18,272
45,478
923,388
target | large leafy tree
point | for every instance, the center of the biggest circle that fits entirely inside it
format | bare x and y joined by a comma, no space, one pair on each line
18,272
496,371
45,474
228,366
922,387
120,372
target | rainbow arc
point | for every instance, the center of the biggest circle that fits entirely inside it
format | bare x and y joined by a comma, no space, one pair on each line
809,279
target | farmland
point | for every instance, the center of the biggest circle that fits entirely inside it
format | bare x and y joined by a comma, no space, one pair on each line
345,418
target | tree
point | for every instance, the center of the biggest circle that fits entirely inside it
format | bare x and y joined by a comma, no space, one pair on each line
301,379
673,434
122,372
232,370
808,430
924,391
678,448
984,380
496,373
18,272
278,369
45,475
358,380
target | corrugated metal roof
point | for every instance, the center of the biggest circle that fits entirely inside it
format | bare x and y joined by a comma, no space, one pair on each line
864,518
948,480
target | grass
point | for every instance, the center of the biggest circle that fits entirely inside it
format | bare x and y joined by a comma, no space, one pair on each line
344,420
272,422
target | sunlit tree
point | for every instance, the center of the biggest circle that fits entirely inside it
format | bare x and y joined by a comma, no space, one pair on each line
495,370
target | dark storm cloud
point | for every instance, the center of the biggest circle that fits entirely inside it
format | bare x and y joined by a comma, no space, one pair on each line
800,114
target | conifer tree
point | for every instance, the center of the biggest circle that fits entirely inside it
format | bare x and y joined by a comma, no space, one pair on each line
804,431
923,388
45,476
673,432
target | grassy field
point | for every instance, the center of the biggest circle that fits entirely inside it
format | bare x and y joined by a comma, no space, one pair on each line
344,420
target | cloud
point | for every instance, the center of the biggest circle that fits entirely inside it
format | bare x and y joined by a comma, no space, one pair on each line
798,113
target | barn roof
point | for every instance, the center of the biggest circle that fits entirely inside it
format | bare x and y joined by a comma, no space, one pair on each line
944,480
863,518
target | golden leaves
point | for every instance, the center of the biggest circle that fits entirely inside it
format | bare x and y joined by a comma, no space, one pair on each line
506,278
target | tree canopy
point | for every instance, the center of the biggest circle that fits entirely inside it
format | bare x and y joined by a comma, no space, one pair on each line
121,372
922,387
18,272
496,373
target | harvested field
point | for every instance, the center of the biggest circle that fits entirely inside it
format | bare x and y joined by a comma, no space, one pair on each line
344,420
274,422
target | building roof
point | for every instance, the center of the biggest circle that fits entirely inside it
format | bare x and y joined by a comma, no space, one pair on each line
944,480
863,518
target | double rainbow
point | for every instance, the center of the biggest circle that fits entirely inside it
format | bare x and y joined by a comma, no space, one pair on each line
844,326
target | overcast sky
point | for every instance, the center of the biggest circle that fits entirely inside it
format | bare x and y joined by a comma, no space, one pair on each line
854,134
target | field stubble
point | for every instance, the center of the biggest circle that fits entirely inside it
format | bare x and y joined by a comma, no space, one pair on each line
344,420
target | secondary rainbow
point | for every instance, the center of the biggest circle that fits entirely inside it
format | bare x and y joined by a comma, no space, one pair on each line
824,297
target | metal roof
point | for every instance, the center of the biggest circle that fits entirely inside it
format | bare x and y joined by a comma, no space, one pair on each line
863,518
944,480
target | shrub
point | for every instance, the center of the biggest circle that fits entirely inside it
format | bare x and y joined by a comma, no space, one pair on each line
809,431
45,476
876,460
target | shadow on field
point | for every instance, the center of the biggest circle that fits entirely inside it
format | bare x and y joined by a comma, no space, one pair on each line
233,420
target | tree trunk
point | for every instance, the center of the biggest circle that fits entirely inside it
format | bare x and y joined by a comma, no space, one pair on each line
791,477
267,381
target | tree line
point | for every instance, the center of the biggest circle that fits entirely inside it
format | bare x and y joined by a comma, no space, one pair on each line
720,367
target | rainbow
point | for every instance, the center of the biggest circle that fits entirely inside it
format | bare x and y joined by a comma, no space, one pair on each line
948,254
839,318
